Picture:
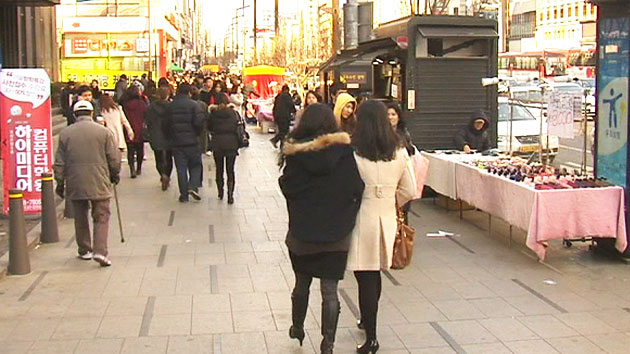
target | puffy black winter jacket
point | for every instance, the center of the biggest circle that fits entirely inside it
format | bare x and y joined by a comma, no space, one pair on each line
184,122
222,126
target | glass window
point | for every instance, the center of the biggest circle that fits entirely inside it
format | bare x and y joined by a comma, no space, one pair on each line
562,12
519,112
570,11
584,10
555,13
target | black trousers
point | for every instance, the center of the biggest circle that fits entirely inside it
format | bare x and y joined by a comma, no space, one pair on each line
283,126
164,162
369,295
135,153
225,160
328,287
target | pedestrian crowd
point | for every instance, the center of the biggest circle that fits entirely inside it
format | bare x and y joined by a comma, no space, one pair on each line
347,174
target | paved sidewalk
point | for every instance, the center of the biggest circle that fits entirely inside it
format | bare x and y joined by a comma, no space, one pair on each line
211,278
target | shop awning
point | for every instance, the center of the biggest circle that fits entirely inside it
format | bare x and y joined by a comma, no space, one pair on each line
364,54
175,68
459,32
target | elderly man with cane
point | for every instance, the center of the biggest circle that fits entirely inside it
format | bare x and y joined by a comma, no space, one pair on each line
87,164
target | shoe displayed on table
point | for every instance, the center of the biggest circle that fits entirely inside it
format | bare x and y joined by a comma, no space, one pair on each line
86,256
102,260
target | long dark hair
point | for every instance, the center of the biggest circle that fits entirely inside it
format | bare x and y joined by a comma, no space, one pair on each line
401,122
317,120
317,96
373,137
107,103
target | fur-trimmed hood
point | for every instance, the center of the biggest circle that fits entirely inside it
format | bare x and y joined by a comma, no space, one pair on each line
321,155
292,147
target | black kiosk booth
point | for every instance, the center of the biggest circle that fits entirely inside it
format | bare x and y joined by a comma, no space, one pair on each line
613,73
432,66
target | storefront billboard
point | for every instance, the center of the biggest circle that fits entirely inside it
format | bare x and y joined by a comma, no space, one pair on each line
26,134
612,119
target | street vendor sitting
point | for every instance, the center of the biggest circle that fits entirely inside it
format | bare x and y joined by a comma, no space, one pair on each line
474,136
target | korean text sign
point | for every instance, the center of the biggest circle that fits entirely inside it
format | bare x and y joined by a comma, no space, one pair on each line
26,134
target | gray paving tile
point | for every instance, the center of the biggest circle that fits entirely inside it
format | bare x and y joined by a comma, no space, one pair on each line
487,348
15,347
249,302
612,343
170,325
419,335
253,321
547,326
585,323
200,344
145,345
508,329
119,327
468,332
77,328
211,303
211,323
40,329
575,345
173,305
238,343
105,346
537,346
458,310
53,346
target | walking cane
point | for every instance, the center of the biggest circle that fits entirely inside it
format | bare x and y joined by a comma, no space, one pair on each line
122,237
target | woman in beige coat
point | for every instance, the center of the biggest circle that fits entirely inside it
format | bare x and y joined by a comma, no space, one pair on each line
115,120
389,180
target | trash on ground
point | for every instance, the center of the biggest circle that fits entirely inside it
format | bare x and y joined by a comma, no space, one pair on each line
550,282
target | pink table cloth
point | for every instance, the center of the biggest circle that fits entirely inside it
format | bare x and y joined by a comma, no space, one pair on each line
545,214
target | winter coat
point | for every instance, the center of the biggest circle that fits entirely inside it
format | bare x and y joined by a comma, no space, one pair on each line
476,139
119,89
222,125
387,184
323,189
115,120
282,109
86,158
204,95
155,119
135,110
184,123
347,125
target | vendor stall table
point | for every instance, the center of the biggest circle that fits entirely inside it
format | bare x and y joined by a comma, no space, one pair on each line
545,214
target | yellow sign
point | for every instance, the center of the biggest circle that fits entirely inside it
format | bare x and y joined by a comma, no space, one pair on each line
353,78
528,148
106,78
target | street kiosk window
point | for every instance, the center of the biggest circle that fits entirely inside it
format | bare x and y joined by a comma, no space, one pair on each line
435,41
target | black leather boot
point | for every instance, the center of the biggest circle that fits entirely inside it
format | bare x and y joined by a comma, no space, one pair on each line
139,169
299,308
230,186
132,170
220,187
330,317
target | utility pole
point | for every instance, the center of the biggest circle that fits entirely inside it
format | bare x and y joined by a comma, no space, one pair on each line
335,24
255,34
150,46
276,23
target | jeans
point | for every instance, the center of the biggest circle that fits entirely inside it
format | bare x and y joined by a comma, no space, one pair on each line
189,166
135,153
223,162
164,162
369,295
100,217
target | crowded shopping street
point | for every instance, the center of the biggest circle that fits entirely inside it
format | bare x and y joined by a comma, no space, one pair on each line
208,277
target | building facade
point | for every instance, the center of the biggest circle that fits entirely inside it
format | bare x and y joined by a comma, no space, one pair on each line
522,30
565,24
27,35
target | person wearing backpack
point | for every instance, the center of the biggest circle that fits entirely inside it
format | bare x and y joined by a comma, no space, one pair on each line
323,190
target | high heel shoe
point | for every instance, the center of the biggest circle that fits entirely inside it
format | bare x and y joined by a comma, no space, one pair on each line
297,333
360,325
369,347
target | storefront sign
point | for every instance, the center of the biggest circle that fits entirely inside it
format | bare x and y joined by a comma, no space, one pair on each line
26,134
411,100
98,47
111,24
612,116
106,78
564,109
142,45
353,77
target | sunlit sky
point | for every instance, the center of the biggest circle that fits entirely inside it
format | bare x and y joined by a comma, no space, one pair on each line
219,13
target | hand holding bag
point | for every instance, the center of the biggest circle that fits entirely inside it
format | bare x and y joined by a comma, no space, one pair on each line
403,245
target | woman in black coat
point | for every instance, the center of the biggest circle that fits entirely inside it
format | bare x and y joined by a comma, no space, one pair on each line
155,118
223,125
323,190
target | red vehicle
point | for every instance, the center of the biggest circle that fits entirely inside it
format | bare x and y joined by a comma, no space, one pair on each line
581,63
529,65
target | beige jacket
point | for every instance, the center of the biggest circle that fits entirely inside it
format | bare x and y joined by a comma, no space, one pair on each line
387,183
85,160
115,120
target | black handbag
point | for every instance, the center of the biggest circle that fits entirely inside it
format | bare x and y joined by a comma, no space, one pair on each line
241,133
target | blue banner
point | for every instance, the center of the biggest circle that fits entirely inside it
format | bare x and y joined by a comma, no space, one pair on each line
612,92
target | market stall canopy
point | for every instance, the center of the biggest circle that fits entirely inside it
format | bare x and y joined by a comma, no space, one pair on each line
175,68
212,68
31,2
266,80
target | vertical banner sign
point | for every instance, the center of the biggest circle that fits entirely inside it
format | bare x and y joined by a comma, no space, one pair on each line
26,134
564,108
612,90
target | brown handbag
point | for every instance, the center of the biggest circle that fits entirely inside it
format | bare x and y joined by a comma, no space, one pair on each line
403,245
